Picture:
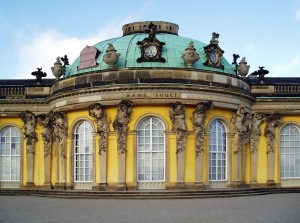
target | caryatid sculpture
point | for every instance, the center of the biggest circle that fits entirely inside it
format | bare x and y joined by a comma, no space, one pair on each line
120,123
273,121
177,116
29,120
242,123
257,119
60,129
198,120
97,112
47,134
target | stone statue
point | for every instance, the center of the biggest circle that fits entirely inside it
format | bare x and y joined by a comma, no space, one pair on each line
60,129
177,116
273,121
120,123
242,122
111,57
97,112
39,74
65,59
29,120
243,68
58,69
198,120
214,38
47,134
235,57
260,73
255,133
190,56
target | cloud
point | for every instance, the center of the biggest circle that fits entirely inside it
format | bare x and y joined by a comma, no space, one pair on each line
297,15
44,47
291,68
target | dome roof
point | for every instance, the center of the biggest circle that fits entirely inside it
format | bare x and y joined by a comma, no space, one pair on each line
129,52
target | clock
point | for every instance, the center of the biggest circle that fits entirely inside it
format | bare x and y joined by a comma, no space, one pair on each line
213,57
151,51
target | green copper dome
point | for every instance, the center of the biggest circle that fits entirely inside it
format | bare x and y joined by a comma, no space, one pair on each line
129,52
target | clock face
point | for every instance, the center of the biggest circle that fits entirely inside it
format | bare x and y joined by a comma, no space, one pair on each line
213,57
151,51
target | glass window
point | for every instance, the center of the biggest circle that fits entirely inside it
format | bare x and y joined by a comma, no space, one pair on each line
10,150
83,152
217,151
289,152
151,150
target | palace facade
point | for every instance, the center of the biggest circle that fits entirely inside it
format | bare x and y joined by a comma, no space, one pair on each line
150,110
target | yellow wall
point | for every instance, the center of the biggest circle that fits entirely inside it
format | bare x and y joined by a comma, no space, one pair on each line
138,113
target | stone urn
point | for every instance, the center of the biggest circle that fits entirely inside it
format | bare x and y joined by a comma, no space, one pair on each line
190,56
111,56
243,68
58,69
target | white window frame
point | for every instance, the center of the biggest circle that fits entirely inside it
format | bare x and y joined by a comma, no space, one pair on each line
82,136
289,148
216,144
150,151
13,132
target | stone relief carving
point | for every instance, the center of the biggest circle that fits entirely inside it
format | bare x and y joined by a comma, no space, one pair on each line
29,120
198,120
111,57
60,129
97,112
177,116
120,123
273,121
257,119
242,122
190,56
45,121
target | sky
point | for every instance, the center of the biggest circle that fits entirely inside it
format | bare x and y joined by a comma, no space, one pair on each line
34,32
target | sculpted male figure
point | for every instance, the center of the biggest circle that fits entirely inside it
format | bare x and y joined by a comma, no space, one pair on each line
177,116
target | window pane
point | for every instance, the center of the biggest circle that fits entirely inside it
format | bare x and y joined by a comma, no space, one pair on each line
289,151
10,138
150,160
83,152
217,151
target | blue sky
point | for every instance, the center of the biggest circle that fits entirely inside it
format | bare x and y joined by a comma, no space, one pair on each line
33,33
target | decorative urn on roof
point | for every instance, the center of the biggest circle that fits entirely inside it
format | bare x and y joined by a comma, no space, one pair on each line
58,69
243,68
111,56
190,56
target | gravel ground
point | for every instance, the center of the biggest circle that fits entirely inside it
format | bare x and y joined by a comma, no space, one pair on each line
275,208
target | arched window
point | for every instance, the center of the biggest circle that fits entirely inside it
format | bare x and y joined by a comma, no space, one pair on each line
289,152
151,150
83,153
217,151
10,150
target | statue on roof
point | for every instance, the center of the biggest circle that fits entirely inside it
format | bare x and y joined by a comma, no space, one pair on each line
261,72
39,74
214,38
